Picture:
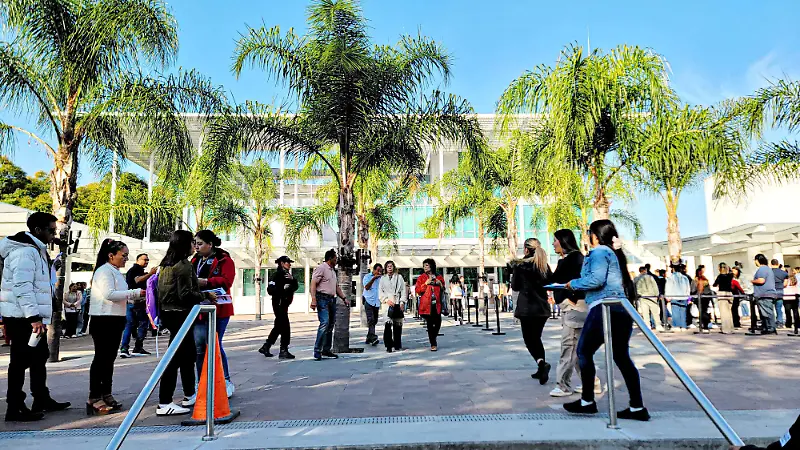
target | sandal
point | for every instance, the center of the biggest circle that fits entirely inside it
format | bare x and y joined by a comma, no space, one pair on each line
113,403
97,407
434,348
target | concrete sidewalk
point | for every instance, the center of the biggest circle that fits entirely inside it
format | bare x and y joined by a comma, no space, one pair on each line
667,430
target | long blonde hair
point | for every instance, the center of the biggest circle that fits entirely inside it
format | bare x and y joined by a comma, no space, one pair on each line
539,257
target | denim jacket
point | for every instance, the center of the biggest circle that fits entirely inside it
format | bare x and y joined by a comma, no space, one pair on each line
600,276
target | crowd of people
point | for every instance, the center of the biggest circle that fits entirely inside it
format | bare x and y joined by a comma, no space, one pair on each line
195,270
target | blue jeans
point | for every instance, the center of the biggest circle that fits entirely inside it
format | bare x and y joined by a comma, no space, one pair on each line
200,339
590,341
326,312
679,314
136,318
779,310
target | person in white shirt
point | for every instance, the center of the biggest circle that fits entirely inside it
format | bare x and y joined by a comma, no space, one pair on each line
391,293
677,291
110,298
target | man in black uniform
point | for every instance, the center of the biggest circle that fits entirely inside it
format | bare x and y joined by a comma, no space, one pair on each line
281,287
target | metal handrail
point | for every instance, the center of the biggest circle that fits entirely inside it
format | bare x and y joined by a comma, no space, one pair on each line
147,390
701,399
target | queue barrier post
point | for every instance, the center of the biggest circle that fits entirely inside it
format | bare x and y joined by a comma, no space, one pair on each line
497,316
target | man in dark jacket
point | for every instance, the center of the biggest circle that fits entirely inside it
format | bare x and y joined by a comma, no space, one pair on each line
281,287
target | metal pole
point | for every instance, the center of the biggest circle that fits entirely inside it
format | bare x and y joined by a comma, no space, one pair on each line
612,411
486,313
211,346
497,315
477,313
688,383
150,385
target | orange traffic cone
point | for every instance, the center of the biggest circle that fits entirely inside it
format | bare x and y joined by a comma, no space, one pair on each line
222,410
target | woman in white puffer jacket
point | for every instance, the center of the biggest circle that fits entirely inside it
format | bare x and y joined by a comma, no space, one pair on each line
107,311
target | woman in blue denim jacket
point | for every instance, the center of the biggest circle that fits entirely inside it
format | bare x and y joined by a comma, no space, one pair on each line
601,278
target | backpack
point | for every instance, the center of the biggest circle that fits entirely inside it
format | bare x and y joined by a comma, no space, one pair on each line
151,299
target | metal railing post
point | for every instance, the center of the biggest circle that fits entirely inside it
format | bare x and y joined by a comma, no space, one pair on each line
698,395
612,407
150,385
211,346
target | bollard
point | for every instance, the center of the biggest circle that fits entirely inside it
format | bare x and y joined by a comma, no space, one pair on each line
753,321
497,315
663,302
486,310
469,313
477,314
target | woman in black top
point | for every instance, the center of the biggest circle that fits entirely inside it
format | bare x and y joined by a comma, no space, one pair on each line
529,277
573,309
725,297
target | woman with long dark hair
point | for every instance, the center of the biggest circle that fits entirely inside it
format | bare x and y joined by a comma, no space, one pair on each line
178,292
573,310
430,287
604,275
529,276
701,287
214,268
110,296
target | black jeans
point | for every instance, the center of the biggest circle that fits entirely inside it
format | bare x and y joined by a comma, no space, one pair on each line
25,357
184,359
434,323
72,323
281,327
792,317
393,335
590,341
106,334
737,319
705,316
372,313
532,335
86,317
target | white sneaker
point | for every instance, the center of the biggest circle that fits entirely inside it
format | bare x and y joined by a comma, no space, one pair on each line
660,329
692,326
189,401
557,392
171,409
229,388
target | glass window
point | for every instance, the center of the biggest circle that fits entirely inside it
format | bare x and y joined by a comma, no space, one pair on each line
471,278
249,282
299,274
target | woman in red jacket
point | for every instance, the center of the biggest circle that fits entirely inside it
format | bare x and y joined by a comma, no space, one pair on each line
430,287
215,269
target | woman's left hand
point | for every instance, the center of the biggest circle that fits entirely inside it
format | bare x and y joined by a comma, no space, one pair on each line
568,286
203,282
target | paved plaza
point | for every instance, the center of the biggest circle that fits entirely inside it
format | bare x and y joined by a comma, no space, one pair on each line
473,373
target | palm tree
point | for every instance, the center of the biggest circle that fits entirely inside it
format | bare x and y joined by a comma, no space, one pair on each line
588,101
366,100
463,194
78,67
676,149
252,210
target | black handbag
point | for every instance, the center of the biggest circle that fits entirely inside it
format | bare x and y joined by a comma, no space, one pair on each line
395,312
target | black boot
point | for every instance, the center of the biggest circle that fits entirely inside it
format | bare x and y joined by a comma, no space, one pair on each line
264,350
543,374
284,354
47,404
21,413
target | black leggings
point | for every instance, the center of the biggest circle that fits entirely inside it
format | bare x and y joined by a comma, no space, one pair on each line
532,335
106,334
184,359
434,323
792,317
592,337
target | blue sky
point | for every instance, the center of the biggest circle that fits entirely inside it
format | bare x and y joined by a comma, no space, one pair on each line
716,49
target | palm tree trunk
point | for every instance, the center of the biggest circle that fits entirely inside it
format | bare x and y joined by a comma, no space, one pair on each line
674,243
346,215
259,281
64,192
363,263
373,248
601,203
512,234
481,244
